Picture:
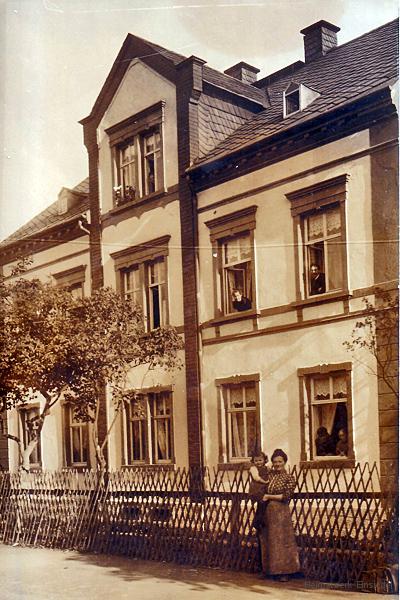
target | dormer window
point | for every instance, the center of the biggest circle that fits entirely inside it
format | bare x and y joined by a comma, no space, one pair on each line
292,101
297,97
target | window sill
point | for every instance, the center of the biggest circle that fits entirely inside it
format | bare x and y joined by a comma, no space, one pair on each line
137,202
239,466
321,298
231,318
329,463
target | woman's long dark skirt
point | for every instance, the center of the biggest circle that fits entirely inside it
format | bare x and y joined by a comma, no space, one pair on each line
279,554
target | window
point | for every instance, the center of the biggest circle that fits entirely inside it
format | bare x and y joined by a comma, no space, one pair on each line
76,439
323,251
240,429
149,428
72,280
136,145
232,238
292,101
326,412
142,278
297,97
237,273
319,213
29,426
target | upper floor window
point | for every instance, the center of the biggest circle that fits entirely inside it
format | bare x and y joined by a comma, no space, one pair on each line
326,412
149,428
319,213
240,423
138,156
142,278
232,238
29,424
76,439
73,280
292,101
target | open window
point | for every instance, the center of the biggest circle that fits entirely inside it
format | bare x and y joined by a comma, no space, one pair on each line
142,277
232,238
320,238
326,412
137,150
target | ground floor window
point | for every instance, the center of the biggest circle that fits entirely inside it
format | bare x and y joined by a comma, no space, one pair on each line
239,422
76,439
149,428
29,424
326,412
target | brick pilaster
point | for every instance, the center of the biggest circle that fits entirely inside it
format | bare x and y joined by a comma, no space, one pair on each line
188,91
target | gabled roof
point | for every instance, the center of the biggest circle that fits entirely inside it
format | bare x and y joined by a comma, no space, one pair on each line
347,72
163,61
50,217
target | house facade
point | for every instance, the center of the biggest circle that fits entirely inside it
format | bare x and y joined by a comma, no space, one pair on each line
254,216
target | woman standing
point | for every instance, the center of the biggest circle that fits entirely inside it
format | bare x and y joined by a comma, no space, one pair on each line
279,552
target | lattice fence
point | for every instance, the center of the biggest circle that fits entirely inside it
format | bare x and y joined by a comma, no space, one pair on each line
344,525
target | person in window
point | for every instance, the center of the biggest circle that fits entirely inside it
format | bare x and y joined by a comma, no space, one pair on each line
317,280
324,443
342,444
279,553
240,302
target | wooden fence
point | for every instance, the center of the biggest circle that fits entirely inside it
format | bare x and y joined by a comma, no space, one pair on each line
345,526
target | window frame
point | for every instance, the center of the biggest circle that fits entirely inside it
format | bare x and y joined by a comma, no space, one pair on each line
133,131
225,459
150,424
140,258
222,230
72,279
22,412
305,375
67,430
317,199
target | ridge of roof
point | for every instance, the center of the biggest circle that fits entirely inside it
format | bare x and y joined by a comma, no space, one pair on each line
338,76
49,216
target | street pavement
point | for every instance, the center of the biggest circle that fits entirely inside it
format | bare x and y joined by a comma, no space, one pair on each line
43,574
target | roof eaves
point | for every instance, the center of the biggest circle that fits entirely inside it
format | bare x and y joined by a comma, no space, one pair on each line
388,85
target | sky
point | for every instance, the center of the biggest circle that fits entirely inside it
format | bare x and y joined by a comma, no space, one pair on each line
56,54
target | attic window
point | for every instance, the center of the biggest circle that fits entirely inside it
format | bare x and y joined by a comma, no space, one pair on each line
292,102
296,97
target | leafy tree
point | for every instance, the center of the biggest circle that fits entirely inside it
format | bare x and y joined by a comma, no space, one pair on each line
55,346
376,334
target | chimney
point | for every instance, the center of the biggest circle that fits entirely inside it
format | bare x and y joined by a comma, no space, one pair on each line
244,72
319,38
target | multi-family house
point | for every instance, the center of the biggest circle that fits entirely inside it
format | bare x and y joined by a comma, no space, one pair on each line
254,216
57,243
297,213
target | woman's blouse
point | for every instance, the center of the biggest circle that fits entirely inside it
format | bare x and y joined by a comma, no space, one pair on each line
281,483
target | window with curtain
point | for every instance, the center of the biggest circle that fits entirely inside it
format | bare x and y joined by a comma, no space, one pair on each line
237,273
328,415
149,428
241,417
28,422
76,439
323,251
145,284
